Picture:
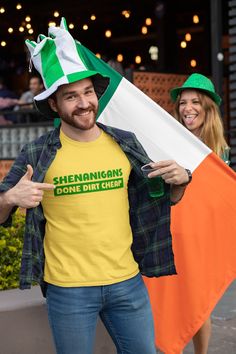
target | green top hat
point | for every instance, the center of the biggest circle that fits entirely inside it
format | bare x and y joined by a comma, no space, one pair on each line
198,82
58,61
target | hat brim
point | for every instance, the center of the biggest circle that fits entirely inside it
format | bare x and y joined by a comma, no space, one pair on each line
175,92
41,101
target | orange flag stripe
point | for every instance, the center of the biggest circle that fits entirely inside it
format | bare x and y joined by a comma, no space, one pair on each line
204,241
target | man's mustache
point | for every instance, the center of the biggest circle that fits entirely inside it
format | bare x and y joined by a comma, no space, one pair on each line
79,111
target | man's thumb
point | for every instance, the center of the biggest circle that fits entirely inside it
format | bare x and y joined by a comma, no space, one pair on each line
29,173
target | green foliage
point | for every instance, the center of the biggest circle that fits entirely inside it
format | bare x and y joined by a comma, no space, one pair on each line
11,243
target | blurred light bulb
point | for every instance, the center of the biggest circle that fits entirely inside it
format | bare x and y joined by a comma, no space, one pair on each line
195,19
120,58
188,37
108,33
193,63
138,59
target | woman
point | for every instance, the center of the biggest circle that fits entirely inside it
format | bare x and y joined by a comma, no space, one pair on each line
197,108
182,304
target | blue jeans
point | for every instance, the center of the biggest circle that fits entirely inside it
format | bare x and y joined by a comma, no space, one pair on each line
123,307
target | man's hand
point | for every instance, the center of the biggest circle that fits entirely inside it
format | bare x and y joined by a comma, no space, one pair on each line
27,194
170,171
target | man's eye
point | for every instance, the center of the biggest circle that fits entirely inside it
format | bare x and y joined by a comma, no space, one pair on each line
70,97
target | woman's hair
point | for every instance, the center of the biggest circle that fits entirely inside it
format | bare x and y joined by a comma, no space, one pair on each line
212,131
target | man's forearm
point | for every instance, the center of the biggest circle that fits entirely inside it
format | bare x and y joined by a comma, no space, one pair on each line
5,207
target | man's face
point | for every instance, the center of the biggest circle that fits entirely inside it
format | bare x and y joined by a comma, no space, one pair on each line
35,86
76,104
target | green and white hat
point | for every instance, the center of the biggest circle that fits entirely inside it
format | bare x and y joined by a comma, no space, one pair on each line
58,61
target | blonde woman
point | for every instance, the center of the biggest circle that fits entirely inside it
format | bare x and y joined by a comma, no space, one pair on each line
197,108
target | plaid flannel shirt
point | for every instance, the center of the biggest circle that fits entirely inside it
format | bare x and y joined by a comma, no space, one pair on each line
149,217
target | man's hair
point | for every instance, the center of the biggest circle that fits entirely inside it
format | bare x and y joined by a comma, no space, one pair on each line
35,76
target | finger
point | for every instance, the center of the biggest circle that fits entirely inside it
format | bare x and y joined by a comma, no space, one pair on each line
37,199
32,204
35,204
29,173
37,192
44,186
161,164
160,172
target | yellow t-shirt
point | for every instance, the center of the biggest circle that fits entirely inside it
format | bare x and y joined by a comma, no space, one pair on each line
88,235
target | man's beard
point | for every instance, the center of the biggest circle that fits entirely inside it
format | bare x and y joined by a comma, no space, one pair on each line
81,122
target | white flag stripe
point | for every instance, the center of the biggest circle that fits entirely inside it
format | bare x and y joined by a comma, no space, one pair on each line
159,133
66,51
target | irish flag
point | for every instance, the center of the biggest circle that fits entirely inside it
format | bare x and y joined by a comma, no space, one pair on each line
203,223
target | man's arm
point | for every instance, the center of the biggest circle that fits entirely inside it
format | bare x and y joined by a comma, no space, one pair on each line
25,194
5,207
175,175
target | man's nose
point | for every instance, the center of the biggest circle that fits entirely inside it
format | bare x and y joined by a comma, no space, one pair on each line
82,103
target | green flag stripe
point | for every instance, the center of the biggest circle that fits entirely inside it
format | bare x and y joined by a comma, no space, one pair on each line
31,43
93,63
50,61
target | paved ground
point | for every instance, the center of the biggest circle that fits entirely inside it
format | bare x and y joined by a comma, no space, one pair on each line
223,339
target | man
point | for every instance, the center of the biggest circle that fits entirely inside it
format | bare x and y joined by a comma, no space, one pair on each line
35,88
91,225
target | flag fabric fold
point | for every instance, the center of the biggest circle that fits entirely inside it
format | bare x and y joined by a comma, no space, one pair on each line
203,223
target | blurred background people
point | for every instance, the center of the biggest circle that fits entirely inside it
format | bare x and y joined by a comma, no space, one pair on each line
8,99
35,87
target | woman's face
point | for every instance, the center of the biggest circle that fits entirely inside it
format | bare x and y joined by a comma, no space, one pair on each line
191,111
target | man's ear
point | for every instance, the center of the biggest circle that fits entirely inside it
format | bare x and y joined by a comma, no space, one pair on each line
52,104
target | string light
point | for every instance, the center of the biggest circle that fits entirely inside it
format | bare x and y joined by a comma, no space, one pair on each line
188,37
195,19
51,24
126,13
153,51
148,21
144,30
119,58
138,59
193,63
108,33
98,55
